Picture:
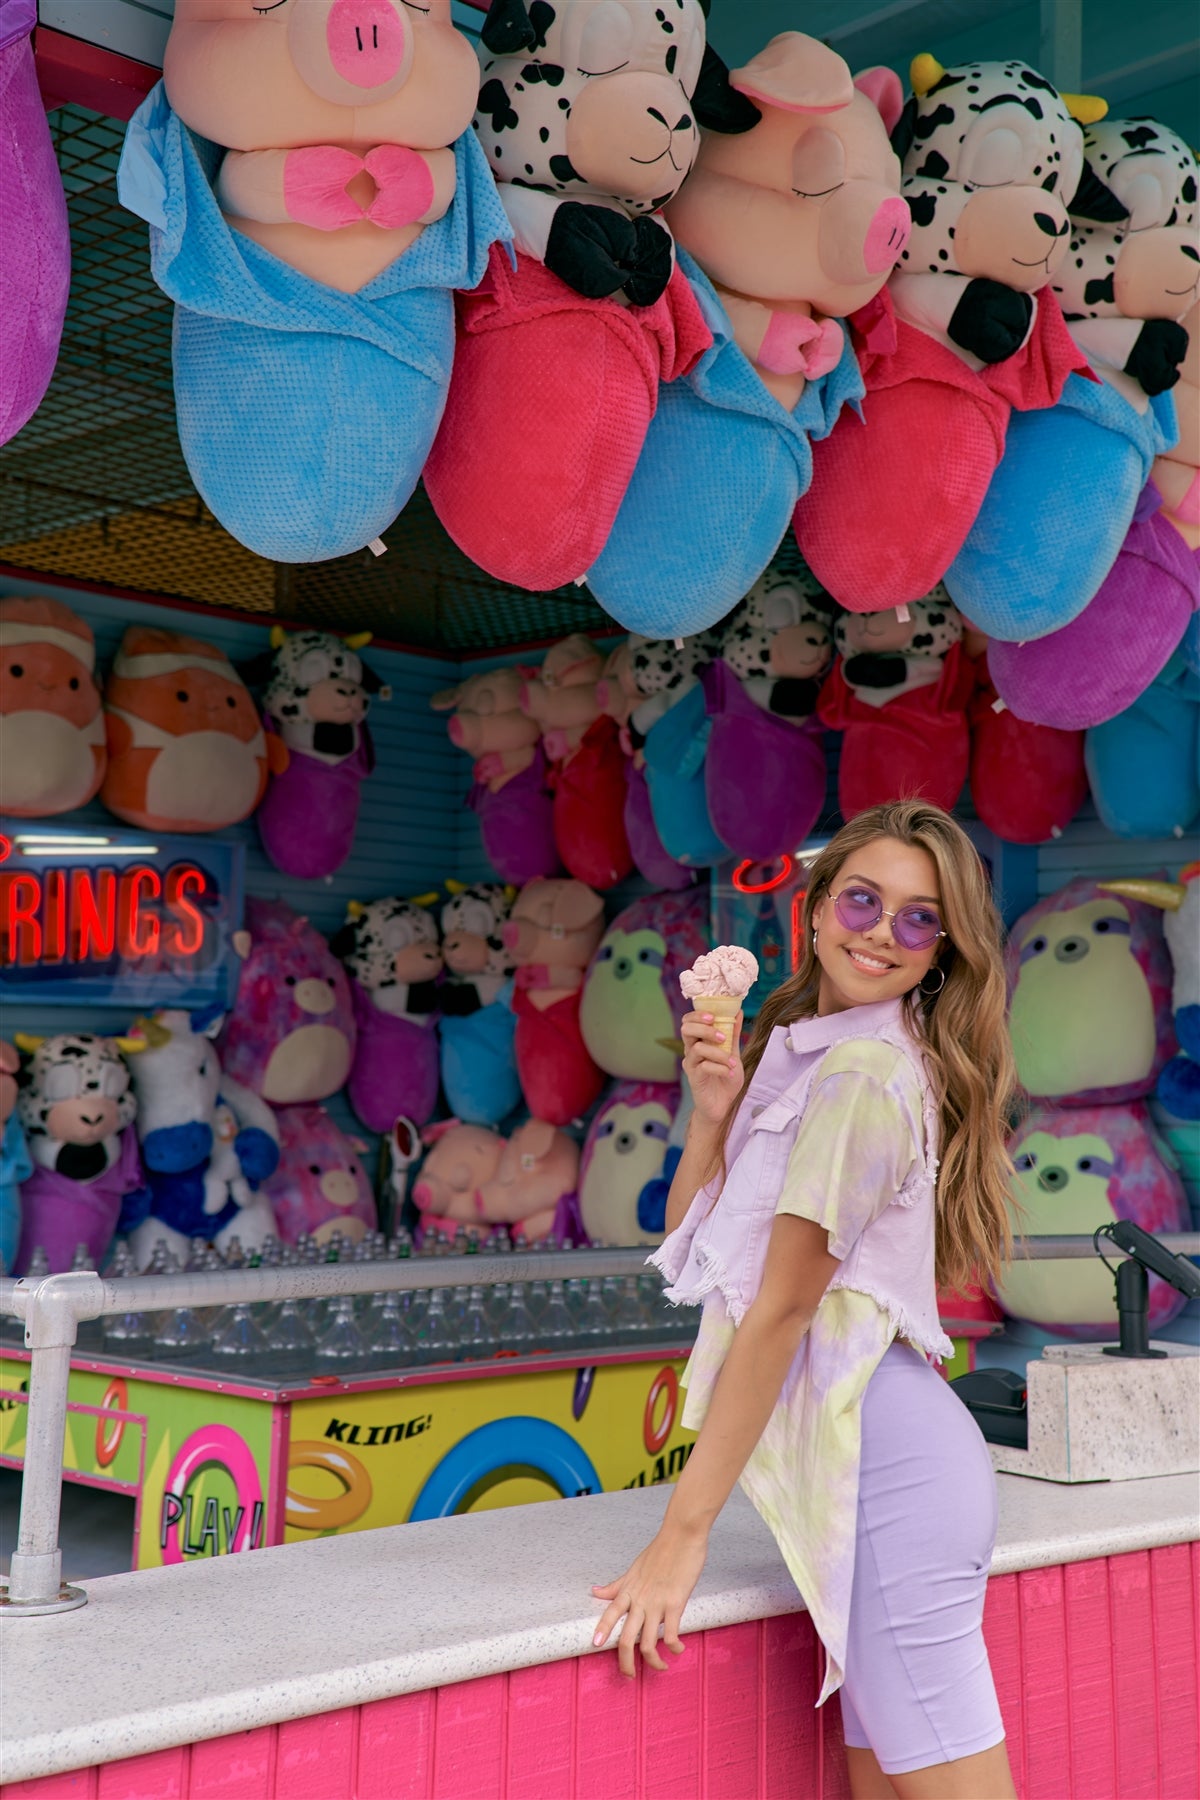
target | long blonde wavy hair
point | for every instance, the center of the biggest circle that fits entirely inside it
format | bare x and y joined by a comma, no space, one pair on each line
962,1030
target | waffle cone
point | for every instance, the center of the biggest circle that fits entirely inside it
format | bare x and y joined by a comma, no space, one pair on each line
723,1007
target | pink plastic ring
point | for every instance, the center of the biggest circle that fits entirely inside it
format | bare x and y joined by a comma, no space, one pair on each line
223,1447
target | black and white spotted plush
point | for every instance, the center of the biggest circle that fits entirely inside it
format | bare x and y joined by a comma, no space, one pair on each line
317,690
884,655
991,156
779,640
391,949
1134,261
477,961
588,115
74,1100
664,670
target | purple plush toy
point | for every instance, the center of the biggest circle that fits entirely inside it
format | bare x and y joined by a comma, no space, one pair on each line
291,1036
320,1185
622,1172
1099,664
650,857
393,957
35,269
1076,1168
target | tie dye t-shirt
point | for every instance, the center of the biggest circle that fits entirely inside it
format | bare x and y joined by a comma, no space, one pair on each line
858,1142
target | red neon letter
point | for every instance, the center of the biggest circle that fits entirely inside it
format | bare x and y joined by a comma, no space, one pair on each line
93,911
137,932
56,916
20,929
187,935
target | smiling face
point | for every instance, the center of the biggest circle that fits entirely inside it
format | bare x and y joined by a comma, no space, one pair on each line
860,968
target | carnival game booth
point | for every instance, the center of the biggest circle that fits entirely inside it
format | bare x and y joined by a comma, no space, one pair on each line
378,742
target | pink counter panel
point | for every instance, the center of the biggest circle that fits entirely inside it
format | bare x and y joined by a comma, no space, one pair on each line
1095,1661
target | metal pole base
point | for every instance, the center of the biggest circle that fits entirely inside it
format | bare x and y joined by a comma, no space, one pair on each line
68,1599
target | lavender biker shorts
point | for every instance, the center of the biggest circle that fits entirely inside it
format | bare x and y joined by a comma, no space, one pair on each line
918,1689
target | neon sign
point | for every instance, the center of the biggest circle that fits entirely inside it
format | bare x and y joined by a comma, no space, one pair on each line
115,919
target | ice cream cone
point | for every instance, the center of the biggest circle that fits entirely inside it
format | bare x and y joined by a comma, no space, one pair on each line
723,1007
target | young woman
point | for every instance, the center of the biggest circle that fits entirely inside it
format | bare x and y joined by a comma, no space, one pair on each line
804,1213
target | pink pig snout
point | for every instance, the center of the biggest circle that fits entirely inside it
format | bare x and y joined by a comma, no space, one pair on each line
863,231
887,235
351,51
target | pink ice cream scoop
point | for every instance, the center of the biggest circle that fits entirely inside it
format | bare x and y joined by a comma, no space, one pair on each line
728,972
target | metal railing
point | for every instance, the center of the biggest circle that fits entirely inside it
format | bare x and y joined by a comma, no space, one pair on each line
52,1308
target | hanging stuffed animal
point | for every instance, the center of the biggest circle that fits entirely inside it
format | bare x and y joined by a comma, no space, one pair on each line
291,1035
632,1007
553,929
1144,765
15,1166
588,114
207,1144
1027,781
1036,556
899,693
1179,1081
312,263
670,728
587,774
627,1164
764,768
320,1186
477,1028
186,749
317,694
618,695
510,795
1090,996
393,957
52,745
1099,664
35,272
1177,469
782,229
77,1109
967,331
1076,1169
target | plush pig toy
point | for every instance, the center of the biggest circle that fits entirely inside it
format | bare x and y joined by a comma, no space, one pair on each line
15,1166
186,749
554,927
782,230
317,694
314,196
477,1029
207,1144
320,1186
1076,1169
510,795
460,1158
393,957
534,1181
1177,469
52,743
291,1035
588,114
587,772
77,1110
33,284
627,1158
899,693
764,769
1129,277
967,331
632,1006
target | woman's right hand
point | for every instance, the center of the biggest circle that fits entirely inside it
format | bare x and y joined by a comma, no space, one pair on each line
713,1065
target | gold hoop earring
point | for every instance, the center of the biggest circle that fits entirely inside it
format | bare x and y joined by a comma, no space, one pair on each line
931,993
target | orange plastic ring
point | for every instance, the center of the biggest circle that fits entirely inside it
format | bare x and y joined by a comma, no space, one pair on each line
655,1436
109,1432
338,1510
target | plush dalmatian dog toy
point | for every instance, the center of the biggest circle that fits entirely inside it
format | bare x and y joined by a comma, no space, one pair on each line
76,1107
393,958
318,691
589,113
478,1025
991,157
1134,261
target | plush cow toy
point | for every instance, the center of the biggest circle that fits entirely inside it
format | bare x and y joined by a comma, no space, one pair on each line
899,692
314,196
77,1109
186,749
1130,275
392,955
782,229
317,694
588,115
477,1028
52,742
968,330
764,769
668,730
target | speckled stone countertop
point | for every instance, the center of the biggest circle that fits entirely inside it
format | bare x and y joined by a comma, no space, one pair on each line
303,1629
